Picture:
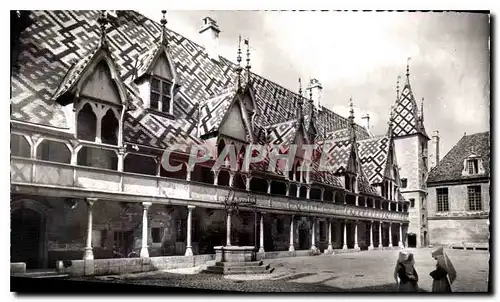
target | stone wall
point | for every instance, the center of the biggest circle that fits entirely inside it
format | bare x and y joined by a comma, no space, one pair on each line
458,232
457,199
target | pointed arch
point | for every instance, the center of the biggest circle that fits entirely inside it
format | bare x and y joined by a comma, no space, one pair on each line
86,123
109,128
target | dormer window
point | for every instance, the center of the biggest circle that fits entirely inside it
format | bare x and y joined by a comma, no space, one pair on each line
161,95
472,166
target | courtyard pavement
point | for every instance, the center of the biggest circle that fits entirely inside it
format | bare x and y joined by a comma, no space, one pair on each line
366,271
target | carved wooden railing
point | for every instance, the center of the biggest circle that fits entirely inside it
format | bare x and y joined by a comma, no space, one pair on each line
60,176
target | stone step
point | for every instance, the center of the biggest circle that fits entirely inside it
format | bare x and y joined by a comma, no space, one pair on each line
239,264
227,270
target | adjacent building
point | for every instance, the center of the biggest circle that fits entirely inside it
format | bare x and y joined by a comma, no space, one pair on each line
459,194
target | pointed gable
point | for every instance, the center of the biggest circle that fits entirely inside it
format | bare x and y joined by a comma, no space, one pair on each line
95,75
100,85
233,125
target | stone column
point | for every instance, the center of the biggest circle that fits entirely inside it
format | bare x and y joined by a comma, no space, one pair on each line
269,186
189,251
231,179
121,155
228,228
344,247
216,177
380,235
373,203
247,182
381,204
261,247
88,254
390,234
330,248
356,246
308,192
291,248
371,247
298,191
313,236
322,194
356,200
144,248
287,189
400,243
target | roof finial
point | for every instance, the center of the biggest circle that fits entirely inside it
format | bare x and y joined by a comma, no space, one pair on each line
422,110
408,69
299,102
238,66
397,88
103,21
351,110
247,42
352,132
390,121
163,34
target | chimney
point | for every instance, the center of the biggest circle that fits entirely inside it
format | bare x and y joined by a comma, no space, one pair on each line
210,36
435,145
366,121
317,93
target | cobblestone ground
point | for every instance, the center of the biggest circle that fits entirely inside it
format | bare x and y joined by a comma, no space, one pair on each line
350,272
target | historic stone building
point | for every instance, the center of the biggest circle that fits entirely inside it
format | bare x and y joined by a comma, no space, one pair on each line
410,140
96,98
459,194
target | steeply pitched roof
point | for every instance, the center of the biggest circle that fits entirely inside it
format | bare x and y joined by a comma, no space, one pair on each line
56,38
373,156
406,119
451,166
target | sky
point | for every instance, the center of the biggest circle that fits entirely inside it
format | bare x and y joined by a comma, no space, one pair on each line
360,55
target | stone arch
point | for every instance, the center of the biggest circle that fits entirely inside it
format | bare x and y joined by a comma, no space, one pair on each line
30,206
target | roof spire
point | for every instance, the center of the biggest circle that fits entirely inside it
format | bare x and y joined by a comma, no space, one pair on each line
247,43
397,88
238,67
408,70
422,110
103,21
163,34
299,103
311,105
352,133
389,123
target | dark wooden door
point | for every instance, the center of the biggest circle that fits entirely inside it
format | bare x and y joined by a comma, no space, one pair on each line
25,238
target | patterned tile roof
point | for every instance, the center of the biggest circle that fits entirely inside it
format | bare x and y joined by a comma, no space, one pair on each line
55,40
406,120
451,165
373,155
213,111
338,154
283,134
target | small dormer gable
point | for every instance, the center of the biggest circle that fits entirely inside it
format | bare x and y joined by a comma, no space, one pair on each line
473,165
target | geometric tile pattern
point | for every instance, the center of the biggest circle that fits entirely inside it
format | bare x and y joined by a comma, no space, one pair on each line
337,154
57,45
405,117
213,111
373,155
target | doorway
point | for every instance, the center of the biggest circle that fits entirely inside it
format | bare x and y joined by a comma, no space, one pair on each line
303,236
25,236
412,240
